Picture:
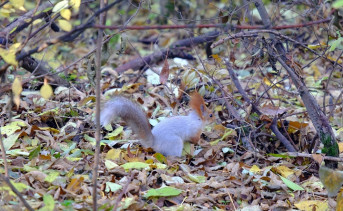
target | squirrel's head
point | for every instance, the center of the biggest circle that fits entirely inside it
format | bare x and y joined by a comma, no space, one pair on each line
197,103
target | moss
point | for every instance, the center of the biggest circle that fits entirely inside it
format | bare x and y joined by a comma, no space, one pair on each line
330,146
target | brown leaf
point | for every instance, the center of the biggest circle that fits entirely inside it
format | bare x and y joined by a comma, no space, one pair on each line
75,184
318,158
165,72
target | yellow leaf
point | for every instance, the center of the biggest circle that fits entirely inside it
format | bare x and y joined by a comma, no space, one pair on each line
16,100
284,171
75,4
16,86
9,55
35,22
113,154
75,184
269,83
46,90
340,146
217,58
339,61
19,4
7,6
255,169
340,201
15,47
65,25
316,71
5,12
312,205
22,8
17,89
66,14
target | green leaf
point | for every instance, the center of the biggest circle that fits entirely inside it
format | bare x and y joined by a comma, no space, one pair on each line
291,184
280,155
115,133
337,4
110,164
67,203
19,186
135,165
51,176
163,192
10,141
335,44
10,128
34,153
114,40
112,187
49,203
196,178
161,158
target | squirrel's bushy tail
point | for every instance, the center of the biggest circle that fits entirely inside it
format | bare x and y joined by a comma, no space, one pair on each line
131,113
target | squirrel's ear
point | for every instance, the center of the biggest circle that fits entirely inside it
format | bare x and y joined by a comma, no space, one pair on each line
202,108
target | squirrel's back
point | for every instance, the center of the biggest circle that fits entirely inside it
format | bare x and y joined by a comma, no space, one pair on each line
170,133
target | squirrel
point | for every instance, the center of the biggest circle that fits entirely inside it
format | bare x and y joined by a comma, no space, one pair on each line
168,136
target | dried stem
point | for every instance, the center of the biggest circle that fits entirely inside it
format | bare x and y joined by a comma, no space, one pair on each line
97,117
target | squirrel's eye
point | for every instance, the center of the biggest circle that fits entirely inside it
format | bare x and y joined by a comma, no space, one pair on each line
211,115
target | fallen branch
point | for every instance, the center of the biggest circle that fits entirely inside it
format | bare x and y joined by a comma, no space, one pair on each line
173,51
299,154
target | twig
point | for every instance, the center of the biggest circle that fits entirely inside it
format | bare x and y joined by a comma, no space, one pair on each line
200,26
69,36
229,107
116,204
21,23
319,120
239,87
273,127
254,34
3,3
3,153
282,138
97,117
8,182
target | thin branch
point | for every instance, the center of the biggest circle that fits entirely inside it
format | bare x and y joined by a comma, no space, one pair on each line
254,34
3,3
281,137
200,26
116,204
69,36
273,127
3,153
318,118
97,117
8,182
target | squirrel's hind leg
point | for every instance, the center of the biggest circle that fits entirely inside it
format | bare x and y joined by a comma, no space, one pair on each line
171,146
